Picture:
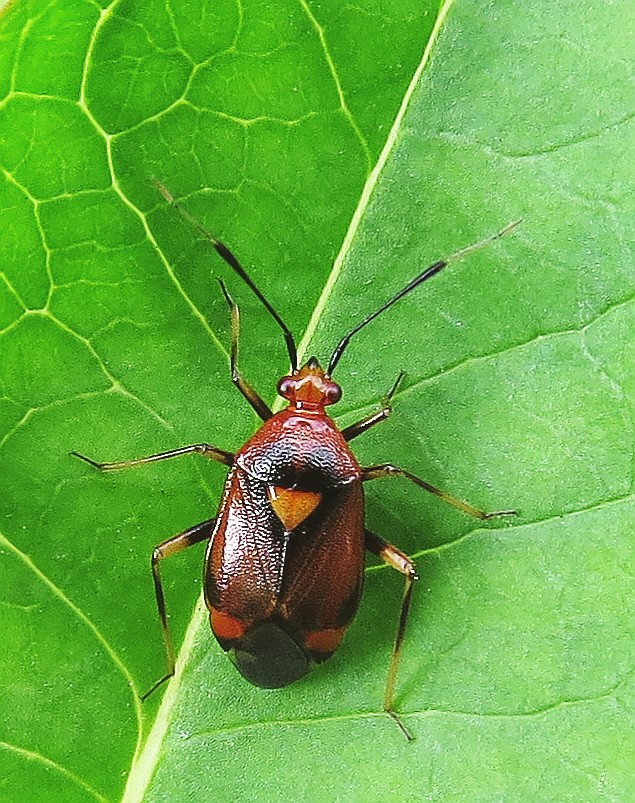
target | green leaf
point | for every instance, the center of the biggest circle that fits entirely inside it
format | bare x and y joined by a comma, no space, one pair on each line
338,151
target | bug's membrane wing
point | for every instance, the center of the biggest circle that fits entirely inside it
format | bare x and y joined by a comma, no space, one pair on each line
269,657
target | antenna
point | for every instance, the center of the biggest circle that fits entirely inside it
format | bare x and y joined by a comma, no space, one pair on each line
428,273
224,252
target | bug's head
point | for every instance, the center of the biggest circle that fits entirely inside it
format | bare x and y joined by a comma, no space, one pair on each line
309,388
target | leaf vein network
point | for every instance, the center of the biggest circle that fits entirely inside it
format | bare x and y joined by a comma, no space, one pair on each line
477,358
30,755
92,627
338,85
426,713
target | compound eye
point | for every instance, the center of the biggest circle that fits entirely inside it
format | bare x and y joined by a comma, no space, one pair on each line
333,393
286,386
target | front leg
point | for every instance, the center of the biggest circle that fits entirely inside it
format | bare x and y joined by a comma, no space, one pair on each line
237,378
374,418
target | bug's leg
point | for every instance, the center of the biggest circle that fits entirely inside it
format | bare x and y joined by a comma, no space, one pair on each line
388,470
374,418
212,452
402,563
237,378
201,532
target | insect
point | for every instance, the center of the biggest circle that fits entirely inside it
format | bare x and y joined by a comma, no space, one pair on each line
284,564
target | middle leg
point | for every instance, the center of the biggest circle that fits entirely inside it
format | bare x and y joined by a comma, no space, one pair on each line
388,470
213,452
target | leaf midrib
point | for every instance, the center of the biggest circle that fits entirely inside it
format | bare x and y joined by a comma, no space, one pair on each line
144,762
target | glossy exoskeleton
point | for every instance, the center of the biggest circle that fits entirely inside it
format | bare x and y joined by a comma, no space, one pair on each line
285,558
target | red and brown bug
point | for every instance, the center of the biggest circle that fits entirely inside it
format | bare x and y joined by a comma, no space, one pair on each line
285,557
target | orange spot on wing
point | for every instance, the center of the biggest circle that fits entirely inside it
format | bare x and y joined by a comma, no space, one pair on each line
292,507
226,627
324,641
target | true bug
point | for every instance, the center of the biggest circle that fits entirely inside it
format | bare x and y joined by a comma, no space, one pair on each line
284,564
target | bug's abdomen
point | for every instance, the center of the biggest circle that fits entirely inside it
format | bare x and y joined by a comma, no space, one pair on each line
281,599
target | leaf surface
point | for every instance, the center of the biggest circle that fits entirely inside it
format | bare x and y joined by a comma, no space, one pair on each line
277,132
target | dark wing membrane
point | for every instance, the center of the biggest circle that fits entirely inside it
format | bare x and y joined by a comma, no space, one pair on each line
324,566
245,558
